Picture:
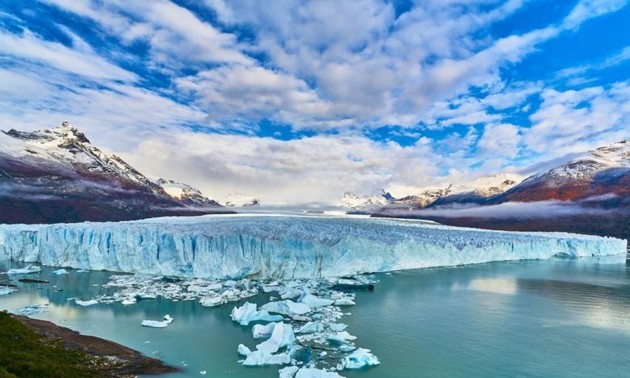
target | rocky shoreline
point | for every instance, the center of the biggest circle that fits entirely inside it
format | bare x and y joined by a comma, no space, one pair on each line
111,359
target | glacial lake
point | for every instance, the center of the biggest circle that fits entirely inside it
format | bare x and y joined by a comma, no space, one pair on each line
542,318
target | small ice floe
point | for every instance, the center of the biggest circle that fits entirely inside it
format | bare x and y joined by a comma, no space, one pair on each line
262,331
316,373
311,327
262,358
60,272
286,307
157,323
341,337
31,310
314,301
344,301
86,303
129,301
203,372
288,372
214,300
281,336
26,270
243,350
360,358
248,313
4,290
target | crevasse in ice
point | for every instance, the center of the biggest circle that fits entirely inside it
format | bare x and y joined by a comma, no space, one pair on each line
280,246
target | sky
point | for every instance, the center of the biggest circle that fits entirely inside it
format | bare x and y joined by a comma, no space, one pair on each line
300,101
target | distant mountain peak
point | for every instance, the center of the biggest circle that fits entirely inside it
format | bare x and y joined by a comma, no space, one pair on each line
67,179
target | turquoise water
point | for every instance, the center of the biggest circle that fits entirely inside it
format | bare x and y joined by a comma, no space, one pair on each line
555,318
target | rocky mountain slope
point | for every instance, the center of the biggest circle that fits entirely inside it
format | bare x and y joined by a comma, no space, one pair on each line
589,194
598,178
56,175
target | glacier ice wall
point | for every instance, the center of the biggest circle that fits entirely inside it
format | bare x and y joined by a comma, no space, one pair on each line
263,246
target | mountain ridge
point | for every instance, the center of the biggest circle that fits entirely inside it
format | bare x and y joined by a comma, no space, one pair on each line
57,175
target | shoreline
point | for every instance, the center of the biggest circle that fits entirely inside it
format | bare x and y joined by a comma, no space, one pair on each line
113,359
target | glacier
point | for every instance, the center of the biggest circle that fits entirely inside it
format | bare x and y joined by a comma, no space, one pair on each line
261,246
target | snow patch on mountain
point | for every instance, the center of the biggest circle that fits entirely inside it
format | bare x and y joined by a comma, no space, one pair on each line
241,200
373,201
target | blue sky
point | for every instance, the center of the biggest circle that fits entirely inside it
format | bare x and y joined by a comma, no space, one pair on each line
301,101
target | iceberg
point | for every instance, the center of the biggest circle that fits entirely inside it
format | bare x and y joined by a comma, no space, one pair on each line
316,373
281,336
4,290
286,307
262,358
268,247
60,272
158,324
243,350
288,372
27,270
360,358
86,303
248,313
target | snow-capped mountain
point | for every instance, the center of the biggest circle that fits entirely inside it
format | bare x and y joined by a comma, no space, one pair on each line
375,201
241,200
478,191
185,193
56,175
601,176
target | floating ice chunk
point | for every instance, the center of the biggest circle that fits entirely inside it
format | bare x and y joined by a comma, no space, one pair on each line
360,358
86,303
158,324
261,358
260,331
31,310
314,301
281,336
203,372
311,327
288,372
29,269
128,301
60,272
345,301
346,348
4,290
243,350
316,373
337,327
211,301
286,307
247,313
341,337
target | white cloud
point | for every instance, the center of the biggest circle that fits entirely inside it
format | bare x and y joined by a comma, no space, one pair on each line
304,170
176,35
579,120
78,61
500,140
587,9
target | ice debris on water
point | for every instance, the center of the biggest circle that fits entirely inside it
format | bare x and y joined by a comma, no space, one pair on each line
31,310
360,358
4,290
310,338
316,373
27,270
86,303
248,313
60,272
157,323
282,335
